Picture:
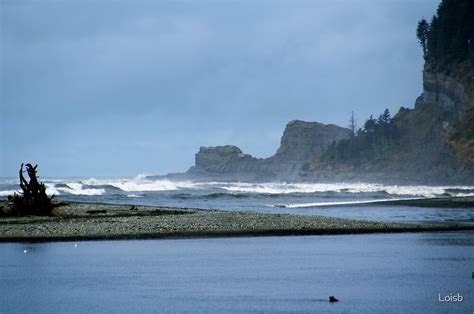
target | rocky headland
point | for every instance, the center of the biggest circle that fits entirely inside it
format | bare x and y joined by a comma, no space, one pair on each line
432,143
300,143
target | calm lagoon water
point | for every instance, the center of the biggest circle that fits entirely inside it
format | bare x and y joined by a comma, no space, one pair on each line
368,273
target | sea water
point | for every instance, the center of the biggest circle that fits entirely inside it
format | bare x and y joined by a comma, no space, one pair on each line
346,200
376,273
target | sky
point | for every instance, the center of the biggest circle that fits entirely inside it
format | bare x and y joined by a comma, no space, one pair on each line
121,88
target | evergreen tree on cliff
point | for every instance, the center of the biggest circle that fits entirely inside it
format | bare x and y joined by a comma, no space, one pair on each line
449,37
422,34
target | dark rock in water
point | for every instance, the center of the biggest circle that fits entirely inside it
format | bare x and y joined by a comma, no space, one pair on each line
301,142
211,157
333,299
225,163
225,159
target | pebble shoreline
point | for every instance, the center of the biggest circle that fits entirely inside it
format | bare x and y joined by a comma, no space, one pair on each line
73,222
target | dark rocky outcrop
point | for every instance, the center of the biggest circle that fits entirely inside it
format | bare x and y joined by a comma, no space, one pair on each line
301,141
225,163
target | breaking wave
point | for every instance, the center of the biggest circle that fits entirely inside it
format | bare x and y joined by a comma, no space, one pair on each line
354,188
8,192
73,188
138,184
140,187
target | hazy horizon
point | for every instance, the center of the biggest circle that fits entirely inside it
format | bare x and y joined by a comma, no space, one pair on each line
117,89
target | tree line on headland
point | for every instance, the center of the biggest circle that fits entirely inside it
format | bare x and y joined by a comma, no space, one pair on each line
430,137
448,38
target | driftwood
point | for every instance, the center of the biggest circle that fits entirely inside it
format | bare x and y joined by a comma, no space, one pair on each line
33,199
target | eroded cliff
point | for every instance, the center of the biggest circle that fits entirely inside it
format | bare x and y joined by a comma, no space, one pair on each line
301,141
434,142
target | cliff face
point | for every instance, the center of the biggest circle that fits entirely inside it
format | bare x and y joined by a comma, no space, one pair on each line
460,134
449,96
434,141
301,141
439,110
445,92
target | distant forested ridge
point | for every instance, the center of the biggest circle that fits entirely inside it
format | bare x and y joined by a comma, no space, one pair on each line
434,141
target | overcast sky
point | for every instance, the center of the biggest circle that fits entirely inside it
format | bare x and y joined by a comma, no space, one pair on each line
118,88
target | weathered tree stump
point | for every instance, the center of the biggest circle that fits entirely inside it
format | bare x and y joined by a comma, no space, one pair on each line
33,199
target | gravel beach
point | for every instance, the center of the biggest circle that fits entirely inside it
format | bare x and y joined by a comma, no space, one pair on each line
82,221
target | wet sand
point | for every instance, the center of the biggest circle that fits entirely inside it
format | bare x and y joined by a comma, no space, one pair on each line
92,221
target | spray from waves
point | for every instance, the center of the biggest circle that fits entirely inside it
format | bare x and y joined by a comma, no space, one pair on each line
463,194
138,184
9,192
94,187
356,188
73,188
78,189
132,187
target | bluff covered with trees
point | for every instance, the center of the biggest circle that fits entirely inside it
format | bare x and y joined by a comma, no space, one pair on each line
448,46
433,142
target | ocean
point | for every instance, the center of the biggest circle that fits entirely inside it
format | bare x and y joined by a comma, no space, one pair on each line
345,200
